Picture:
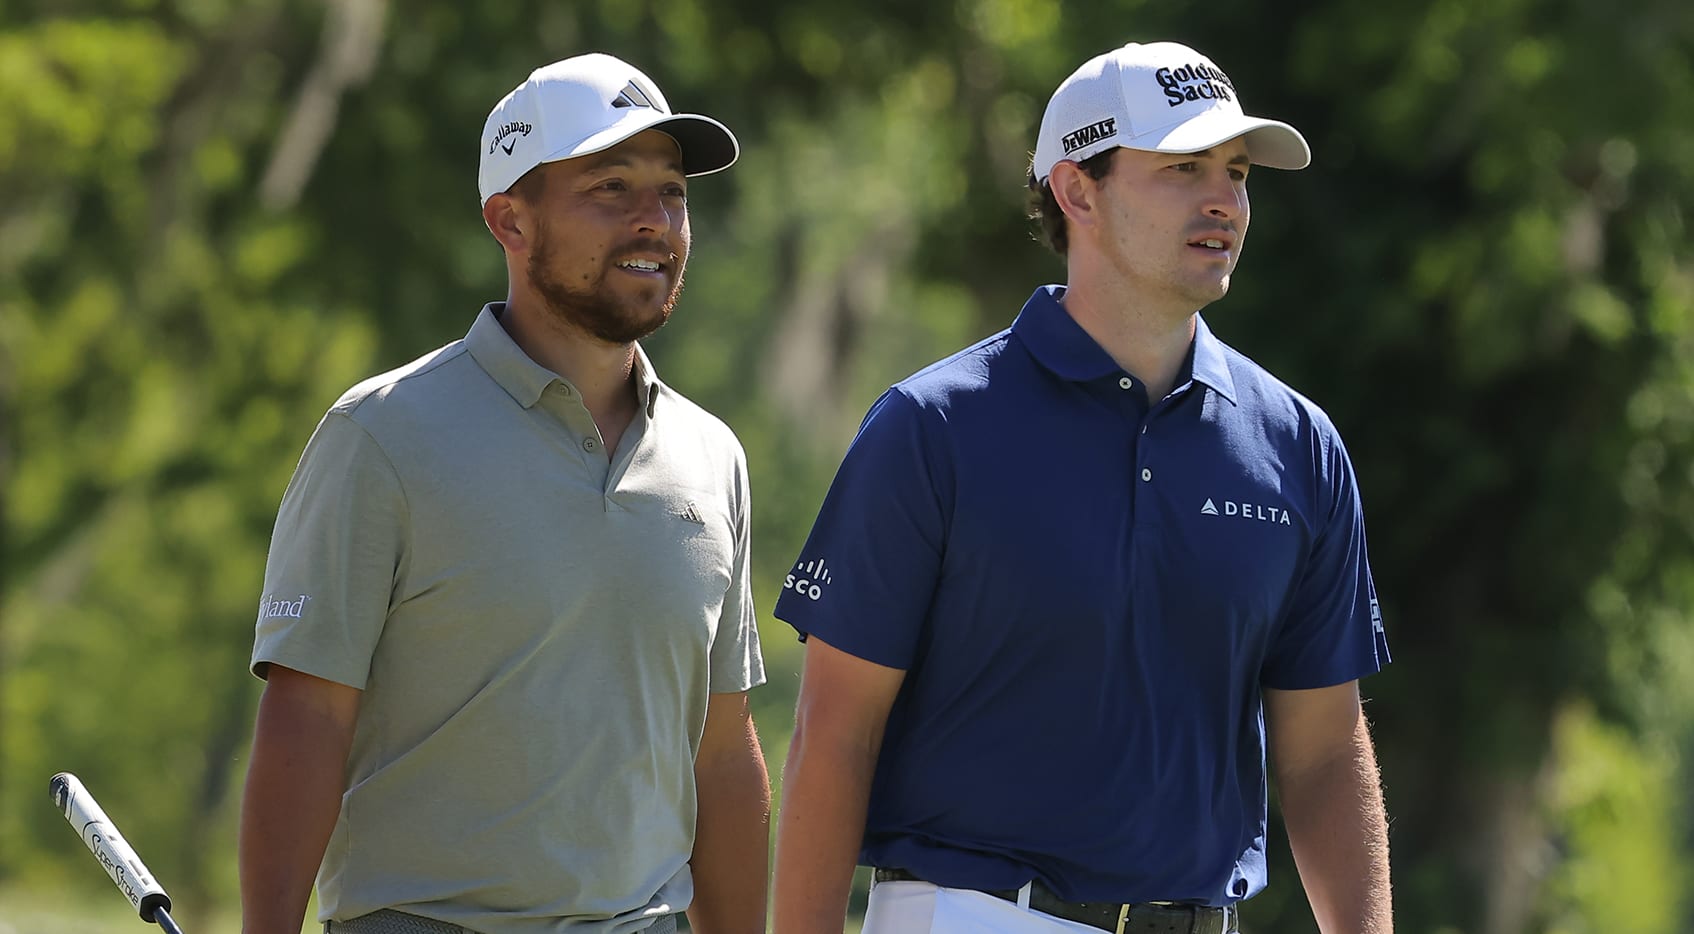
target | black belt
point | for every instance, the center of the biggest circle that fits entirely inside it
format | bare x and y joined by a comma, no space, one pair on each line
1144,918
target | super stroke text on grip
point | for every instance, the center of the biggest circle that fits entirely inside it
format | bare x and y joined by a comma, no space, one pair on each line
118,871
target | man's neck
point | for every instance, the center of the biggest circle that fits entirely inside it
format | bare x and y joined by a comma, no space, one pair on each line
1150,342
603,373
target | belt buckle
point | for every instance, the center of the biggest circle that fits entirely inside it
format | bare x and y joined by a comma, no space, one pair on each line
1123,917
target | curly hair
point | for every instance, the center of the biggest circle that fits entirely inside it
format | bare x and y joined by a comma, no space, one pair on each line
1044,208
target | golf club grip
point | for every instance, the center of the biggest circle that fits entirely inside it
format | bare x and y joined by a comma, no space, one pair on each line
109,847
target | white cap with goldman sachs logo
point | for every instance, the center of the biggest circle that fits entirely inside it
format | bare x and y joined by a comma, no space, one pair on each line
1158,96
584,105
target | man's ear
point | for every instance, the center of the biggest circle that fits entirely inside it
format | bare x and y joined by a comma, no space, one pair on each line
506,218
1075,192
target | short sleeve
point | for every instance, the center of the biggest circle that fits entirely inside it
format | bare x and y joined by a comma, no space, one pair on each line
1333,632
736,662
335,552
868,572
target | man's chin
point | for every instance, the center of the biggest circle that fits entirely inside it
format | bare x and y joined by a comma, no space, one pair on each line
645,312
608,316
1211,291
629,328
647,327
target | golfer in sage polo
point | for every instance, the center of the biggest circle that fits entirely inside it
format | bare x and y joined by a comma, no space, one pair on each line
506,627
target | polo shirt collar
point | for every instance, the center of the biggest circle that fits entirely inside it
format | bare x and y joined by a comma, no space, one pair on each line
521,377
647,380
1058,343
1210,363
501,358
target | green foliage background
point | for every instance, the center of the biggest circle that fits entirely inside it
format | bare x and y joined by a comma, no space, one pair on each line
215,216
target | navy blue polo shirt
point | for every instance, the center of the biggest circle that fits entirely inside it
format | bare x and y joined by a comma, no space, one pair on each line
1087,594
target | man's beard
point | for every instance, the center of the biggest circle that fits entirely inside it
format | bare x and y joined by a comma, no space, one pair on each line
597,309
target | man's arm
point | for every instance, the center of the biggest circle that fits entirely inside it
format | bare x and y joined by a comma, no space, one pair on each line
838,727
295,780
732,834
1332,805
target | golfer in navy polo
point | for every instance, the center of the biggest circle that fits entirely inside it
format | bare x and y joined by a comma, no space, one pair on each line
1072,585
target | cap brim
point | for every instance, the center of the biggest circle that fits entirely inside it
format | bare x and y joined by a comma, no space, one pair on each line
1269,142
707,145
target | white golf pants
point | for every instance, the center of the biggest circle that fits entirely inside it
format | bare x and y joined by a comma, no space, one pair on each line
921,908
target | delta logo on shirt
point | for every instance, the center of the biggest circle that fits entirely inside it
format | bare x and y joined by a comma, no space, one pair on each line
1257,511
808,579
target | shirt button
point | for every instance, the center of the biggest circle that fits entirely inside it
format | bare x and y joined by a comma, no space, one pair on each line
589,444
1146,475
1126,383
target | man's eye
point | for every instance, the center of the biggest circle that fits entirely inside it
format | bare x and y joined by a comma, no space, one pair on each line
612,185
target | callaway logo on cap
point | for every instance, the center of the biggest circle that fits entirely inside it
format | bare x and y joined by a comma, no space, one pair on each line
1158,96
584,105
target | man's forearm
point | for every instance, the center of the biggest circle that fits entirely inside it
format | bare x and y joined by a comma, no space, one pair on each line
1338,829
293,794
825,793
731,859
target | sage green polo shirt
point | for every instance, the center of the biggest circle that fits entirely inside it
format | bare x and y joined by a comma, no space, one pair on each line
535,627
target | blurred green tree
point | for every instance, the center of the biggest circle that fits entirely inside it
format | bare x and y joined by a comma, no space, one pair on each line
219,215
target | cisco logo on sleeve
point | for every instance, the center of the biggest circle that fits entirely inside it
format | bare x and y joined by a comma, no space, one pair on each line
808,579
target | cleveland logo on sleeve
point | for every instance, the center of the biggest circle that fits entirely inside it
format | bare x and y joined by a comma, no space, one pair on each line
282,607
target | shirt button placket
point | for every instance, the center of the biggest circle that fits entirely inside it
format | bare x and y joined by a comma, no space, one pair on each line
1127,384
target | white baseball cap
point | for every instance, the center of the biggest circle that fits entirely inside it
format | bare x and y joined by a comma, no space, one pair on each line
584,105
1158,96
